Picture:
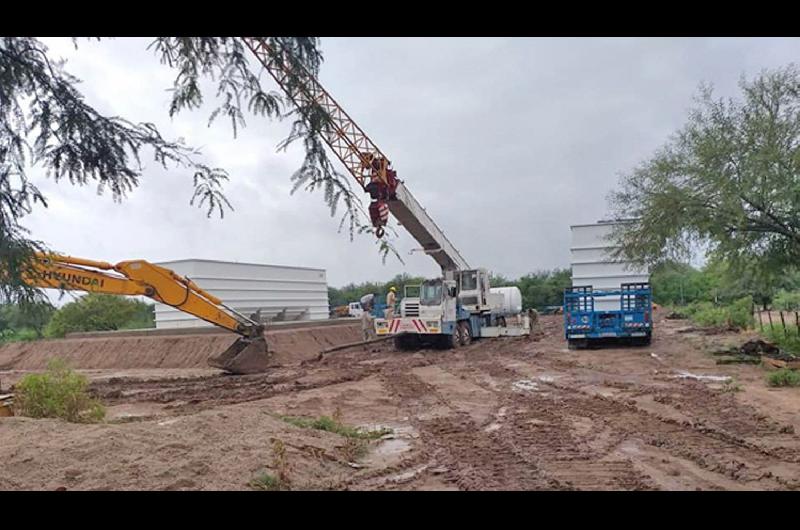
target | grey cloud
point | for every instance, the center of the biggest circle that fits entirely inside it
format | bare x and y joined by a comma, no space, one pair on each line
505,141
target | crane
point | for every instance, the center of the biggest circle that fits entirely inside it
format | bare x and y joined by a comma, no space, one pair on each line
370,167
249,354
456,307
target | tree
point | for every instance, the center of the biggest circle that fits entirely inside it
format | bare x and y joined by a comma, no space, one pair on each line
97,312
728,181
35,316
45,121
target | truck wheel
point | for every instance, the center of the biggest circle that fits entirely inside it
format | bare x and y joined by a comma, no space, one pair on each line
405,342
466,336
577,344
448,342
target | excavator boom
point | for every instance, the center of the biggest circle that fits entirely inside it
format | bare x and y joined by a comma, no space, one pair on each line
140,278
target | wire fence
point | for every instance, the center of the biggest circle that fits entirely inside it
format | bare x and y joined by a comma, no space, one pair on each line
788,321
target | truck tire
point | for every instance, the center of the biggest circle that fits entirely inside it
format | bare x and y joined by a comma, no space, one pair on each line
466,335
450,342
406,342
577,344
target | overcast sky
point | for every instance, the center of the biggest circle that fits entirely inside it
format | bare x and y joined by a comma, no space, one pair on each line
506,142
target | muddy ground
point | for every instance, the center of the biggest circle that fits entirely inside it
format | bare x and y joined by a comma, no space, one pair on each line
500,414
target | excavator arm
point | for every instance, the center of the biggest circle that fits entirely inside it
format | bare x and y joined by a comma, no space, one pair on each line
141,278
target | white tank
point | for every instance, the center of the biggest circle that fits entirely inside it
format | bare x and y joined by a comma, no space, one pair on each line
506,300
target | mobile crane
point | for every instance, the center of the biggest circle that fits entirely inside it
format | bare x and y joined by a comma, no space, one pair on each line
249,354
457,307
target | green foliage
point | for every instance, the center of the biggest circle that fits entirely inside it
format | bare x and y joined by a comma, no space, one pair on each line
353,292
543,288
726,180
787,340
100,312
786,300
539,289
57,393
326,423
676,283
266,481
784,377
736,315
24,321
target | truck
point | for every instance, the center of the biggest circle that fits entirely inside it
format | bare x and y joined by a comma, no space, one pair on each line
354,309
449,313
585,325
610,298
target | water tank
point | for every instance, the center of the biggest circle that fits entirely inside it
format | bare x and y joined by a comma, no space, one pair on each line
507,300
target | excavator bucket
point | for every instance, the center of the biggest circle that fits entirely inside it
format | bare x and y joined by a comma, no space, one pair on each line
245,356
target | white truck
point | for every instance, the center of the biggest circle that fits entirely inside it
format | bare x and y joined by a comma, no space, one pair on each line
354,309
450,313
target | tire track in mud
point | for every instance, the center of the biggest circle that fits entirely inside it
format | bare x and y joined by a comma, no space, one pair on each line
710,448
714,441
532,425
459,450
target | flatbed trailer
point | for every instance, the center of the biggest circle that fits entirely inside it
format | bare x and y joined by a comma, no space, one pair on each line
585,326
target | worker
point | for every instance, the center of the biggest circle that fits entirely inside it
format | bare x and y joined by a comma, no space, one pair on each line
367,326
391,298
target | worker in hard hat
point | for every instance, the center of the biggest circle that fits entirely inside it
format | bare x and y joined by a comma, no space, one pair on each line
367,324
391,298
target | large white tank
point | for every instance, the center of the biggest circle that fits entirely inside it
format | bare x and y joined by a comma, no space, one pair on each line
506,300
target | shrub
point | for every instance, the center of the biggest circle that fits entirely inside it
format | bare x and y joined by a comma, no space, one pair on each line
737,315
57,393
784,377
788,340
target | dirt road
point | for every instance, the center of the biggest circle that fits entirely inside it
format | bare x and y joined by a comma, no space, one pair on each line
500,414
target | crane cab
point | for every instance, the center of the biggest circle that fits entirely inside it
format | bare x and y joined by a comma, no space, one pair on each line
473,290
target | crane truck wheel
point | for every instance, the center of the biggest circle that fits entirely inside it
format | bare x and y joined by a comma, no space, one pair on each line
245,356
466,336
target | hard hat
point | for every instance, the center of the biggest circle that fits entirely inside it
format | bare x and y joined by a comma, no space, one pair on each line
392,289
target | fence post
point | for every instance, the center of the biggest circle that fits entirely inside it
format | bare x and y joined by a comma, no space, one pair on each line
797,324
760,322
783,323
769,316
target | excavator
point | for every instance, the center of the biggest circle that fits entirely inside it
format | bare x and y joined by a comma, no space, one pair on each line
357,152
249,354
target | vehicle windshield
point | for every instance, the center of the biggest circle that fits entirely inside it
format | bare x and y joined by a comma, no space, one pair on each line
411,291
431,293
469,281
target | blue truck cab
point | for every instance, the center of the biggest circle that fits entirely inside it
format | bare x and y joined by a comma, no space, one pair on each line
585,325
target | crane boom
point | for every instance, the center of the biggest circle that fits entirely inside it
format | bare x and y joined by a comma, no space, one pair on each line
359,154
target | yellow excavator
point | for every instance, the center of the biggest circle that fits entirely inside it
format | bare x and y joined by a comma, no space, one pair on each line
249,354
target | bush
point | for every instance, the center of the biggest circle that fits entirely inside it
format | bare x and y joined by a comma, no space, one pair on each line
57,393
784,377
787,341
737,315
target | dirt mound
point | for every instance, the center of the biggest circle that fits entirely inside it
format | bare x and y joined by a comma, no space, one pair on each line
179,351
